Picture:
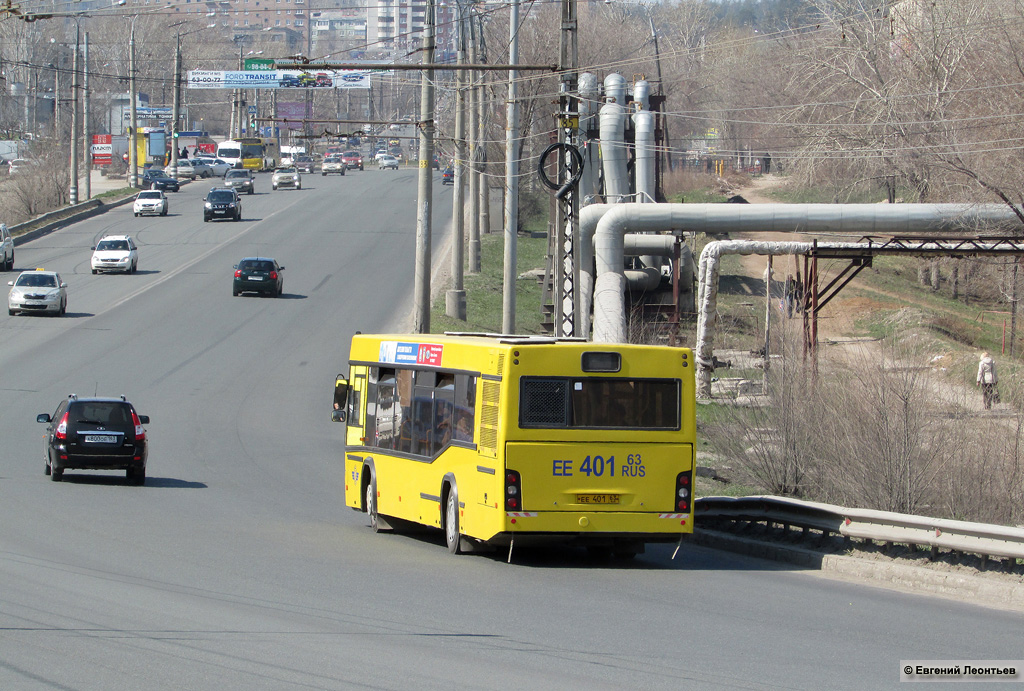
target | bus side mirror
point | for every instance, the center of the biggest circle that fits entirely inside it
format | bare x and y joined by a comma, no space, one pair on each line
340,398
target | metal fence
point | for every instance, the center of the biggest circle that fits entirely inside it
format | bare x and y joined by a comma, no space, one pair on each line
938,534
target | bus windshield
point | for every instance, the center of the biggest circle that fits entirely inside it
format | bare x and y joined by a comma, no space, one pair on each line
252,151
229,153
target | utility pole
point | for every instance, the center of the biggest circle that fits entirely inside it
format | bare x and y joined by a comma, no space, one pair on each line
421,288
568,124
176,106
73,190
483,189
455,299
56,98
86,132
508,303
133,147
474,147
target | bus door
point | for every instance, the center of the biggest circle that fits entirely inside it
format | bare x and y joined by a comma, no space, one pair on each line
355,434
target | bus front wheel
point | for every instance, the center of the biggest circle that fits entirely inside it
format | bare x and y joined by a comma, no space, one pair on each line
451,521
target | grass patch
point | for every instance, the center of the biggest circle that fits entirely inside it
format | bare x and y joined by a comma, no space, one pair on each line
116,194
484,290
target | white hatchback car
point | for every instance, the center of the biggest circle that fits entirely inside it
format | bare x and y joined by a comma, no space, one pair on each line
115,253
152,202
37,291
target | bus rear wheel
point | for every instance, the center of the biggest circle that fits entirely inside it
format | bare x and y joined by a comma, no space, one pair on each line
451,521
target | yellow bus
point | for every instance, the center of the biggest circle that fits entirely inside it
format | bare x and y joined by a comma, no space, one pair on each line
499,440
251,153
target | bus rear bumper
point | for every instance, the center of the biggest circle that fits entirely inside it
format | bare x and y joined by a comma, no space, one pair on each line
594,527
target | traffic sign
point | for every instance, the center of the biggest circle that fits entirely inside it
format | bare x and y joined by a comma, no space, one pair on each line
252,110
259,65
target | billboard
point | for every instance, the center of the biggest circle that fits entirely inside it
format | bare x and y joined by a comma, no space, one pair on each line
278,79
102,149
293,111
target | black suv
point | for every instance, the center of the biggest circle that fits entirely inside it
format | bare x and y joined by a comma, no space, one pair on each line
222,202
96,434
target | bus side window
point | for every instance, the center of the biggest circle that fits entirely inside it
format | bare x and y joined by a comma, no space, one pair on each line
465,407
404,422
355,404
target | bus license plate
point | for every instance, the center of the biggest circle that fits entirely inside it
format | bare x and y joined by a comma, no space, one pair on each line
99,439
597,498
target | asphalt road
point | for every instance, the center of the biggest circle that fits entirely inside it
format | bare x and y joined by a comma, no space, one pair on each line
237,566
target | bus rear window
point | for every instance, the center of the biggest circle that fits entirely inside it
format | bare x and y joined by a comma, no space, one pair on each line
598,402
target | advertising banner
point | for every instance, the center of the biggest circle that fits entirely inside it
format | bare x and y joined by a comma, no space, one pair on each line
157,144
278,79
293,111
102,149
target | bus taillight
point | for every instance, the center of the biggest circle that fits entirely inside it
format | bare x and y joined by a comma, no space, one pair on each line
683,491
513,491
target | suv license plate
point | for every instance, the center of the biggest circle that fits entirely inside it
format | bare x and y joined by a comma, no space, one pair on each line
99,439
597,498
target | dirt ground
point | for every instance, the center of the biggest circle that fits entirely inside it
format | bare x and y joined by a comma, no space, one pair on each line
838,335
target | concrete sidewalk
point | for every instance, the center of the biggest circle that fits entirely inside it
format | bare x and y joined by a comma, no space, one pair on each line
100,184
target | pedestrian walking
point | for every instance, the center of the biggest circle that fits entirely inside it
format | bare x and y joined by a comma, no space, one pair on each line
987,380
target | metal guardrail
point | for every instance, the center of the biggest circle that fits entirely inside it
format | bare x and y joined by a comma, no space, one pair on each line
56,215
981,539
66,215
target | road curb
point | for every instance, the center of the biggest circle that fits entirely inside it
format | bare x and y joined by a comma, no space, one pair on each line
992,592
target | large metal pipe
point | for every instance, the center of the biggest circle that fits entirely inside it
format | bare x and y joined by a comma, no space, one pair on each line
588,107
615,88
613,153
641,95
643,168
861,219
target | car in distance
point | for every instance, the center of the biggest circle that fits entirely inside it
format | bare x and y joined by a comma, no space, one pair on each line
286,177
353,159
18,165
6,248
193,168
150,203
115,253
37,291
305,164
217,166
448,176
222,202
258,275
96,434
387,161
240,180
335,163
156,180
185,170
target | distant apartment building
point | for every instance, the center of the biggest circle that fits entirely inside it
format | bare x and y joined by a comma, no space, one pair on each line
301,26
